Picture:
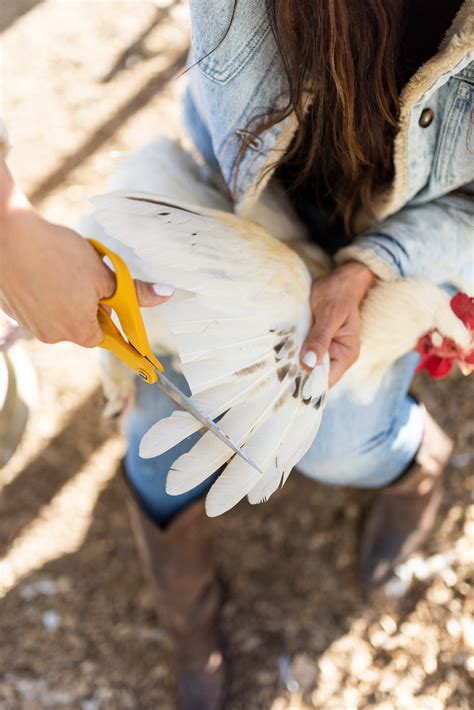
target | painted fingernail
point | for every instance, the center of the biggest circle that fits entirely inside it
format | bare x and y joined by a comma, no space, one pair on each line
163,289
310,359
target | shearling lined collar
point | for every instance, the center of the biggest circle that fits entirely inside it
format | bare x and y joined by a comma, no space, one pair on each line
456,44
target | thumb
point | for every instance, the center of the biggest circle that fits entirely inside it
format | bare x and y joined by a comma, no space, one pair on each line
316,345
152,294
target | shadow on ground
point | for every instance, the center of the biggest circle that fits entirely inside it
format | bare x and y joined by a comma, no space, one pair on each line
12,10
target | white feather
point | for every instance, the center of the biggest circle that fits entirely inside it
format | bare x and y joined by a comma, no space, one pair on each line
171,430
394,316
299,436
210,453
202,375
239,477
317,383
168,432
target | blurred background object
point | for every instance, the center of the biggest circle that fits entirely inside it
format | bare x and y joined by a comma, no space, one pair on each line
82,82
18,388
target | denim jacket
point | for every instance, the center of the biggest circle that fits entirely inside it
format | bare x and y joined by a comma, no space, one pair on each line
424,220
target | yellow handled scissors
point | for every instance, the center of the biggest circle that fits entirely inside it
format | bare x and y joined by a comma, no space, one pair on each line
136,352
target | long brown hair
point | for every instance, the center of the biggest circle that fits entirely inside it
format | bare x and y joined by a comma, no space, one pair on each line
341,56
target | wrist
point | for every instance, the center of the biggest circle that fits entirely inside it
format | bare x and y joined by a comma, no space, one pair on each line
357,276
12,199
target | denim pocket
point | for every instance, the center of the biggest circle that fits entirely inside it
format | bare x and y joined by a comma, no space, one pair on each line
222,43
454,161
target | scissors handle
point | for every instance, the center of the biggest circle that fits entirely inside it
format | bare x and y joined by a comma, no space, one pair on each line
135,352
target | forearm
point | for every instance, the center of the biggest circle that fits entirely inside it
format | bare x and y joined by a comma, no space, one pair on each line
9,193
11,197
6,189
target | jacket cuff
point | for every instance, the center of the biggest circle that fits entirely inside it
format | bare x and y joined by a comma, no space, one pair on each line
369,256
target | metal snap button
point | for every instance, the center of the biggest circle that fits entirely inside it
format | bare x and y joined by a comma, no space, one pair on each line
255,143
426,117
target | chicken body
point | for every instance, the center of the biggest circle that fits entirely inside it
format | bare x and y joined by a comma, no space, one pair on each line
238,319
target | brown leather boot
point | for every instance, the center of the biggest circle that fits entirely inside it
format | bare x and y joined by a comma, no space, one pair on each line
404,513
179,564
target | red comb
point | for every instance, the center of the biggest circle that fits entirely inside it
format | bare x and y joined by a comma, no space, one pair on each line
463,307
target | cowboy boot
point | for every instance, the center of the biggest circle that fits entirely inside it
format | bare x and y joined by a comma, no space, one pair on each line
188,596
403,514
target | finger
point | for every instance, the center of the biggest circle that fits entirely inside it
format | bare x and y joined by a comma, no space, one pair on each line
336,371
316,345
339,365
152,294
92,338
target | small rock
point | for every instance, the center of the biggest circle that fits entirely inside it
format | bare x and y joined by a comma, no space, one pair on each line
304,672
397,587
454,628
388,624
250,643
462,459
449,576
286,674
329,669
469,529
430,664
468,631
378,638
401,662
46,586
91,704
361,659
439,594
51,620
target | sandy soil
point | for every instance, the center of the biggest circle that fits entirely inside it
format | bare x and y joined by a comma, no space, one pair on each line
81,82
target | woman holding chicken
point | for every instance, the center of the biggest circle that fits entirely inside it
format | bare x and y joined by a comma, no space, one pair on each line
360,112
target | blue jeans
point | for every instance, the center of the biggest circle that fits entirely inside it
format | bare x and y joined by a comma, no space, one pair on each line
361,445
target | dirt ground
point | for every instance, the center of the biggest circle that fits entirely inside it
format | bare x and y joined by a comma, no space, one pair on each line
81,82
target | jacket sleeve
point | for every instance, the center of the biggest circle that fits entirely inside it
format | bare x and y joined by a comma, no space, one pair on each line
434,240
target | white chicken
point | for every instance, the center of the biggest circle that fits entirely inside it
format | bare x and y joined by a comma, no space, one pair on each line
238,318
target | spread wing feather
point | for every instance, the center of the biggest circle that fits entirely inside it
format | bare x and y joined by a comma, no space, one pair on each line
215,401
239,478
168,432
238,323
298,438
209,453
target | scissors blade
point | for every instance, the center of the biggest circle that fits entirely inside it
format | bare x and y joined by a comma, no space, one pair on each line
179,398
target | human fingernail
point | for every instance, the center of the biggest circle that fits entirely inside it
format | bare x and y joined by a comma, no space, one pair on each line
163,289
310,359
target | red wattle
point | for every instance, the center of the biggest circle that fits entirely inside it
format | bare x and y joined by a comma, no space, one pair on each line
437,367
